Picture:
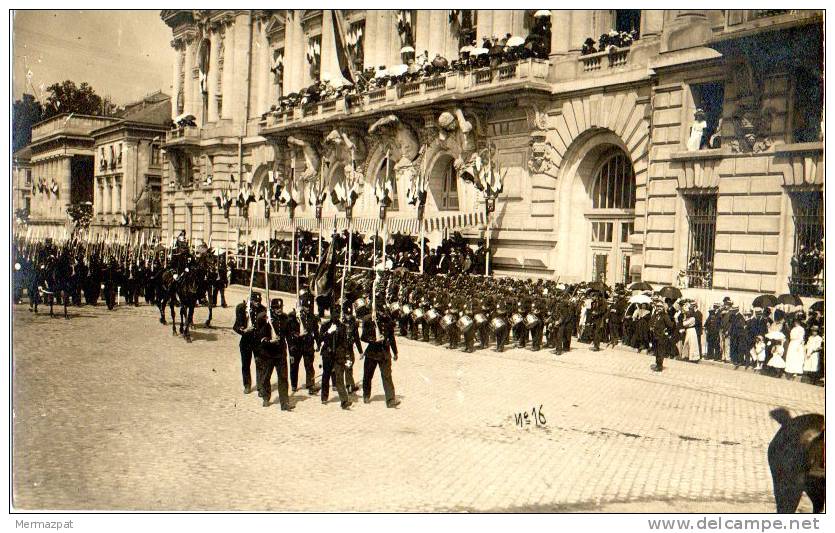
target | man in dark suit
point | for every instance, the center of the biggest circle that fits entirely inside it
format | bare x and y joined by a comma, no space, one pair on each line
272,345
335,343
713,328
661,326
597,320
246,313
381,348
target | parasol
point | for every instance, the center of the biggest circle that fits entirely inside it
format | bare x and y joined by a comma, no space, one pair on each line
670,292
817,307
790,299
541,13
765,300
775,336
398,70
479,51
640,299
640,286
515,41
407,50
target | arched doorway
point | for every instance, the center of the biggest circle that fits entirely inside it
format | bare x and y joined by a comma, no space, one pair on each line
611,218
443,185
595,206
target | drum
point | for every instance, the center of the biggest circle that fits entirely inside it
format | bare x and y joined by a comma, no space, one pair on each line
448,321
432,316
531,321
362,307
498,324
465,324
480,319
516,319
417,314
407,309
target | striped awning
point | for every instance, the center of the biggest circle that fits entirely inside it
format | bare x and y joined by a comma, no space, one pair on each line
368,225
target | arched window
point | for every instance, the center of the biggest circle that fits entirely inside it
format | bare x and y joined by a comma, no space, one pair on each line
614,185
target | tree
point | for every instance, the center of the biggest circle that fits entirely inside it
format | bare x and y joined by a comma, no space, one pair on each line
66,97
25,112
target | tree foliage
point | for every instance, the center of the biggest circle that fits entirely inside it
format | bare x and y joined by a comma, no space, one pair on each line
25,112
67,97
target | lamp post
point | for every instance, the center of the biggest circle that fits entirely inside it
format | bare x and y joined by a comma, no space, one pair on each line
491,182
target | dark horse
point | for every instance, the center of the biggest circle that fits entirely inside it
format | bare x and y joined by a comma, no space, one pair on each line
796,458
56,281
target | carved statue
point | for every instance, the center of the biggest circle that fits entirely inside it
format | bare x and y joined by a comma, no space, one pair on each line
399,137
542,160
456,123
311,157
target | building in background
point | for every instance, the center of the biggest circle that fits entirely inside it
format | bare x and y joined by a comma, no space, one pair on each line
22,180
677,147
62,168
128,168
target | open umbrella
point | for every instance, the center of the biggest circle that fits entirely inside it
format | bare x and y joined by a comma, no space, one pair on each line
479,51
817,307
398,70
790,299
640,299
670,292
765,300
407,50
640,286
466,49
776,336
515,41
541,13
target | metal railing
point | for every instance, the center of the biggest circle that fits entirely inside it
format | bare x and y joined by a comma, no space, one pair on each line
807,286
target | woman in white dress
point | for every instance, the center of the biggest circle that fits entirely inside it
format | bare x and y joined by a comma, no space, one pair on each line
690,346
814,345
796,351
697,131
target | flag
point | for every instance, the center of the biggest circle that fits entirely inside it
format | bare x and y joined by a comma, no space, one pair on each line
344,61
324,278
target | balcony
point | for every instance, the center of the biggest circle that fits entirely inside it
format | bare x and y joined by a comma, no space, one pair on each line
181,136
530,73
742,22
604,61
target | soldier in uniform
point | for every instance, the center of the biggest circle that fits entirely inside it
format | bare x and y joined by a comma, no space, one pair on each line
500,326
520,330
597,317
336,344
450,324
246,314
536,326
304,331
482,320
467,326
380,350
272,343
565,325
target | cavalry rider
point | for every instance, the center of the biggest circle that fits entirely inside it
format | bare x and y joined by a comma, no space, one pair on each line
180,253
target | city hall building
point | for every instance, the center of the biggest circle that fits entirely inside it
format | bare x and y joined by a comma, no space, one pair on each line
675,147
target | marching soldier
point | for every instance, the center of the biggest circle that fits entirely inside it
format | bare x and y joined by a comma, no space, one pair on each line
482,321
520,330
246,314
500,326
466,325
380,350
335,344
534,324
596,320
304,330
449,324
272,343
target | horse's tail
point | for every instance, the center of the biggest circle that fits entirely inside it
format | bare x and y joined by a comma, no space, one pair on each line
781,415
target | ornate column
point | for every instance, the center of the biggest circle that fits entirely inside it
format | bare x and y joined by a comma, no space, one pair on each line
108,196
581,29
117,194
177,78
188,83
560,31
228,36
214,52
65,182
264,73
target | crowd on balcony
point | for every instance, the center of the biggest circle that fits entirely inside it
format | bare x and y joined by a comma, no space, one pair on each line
492,53
807,270
609,41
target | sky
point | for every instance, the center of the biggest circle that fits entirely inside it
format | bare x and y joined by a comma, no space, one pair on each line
123,54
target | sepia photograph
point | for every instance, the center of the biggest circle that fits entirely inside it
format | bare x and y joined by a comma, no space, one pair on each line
429,261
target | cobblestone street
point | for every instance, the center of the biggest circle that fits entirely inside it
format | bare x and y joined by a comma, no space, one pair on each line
113,412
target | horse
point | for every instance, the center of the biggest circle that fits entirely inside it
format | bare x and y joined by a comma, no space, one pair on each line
796,458
189,288
166,293
57,272
209,280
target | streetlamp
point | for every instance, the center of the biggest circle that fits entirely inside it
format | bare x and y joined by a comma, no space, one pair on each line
490,181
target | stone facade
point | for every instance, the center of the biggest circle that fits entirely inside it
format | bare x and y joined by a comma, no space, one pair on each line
22,179
560,127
